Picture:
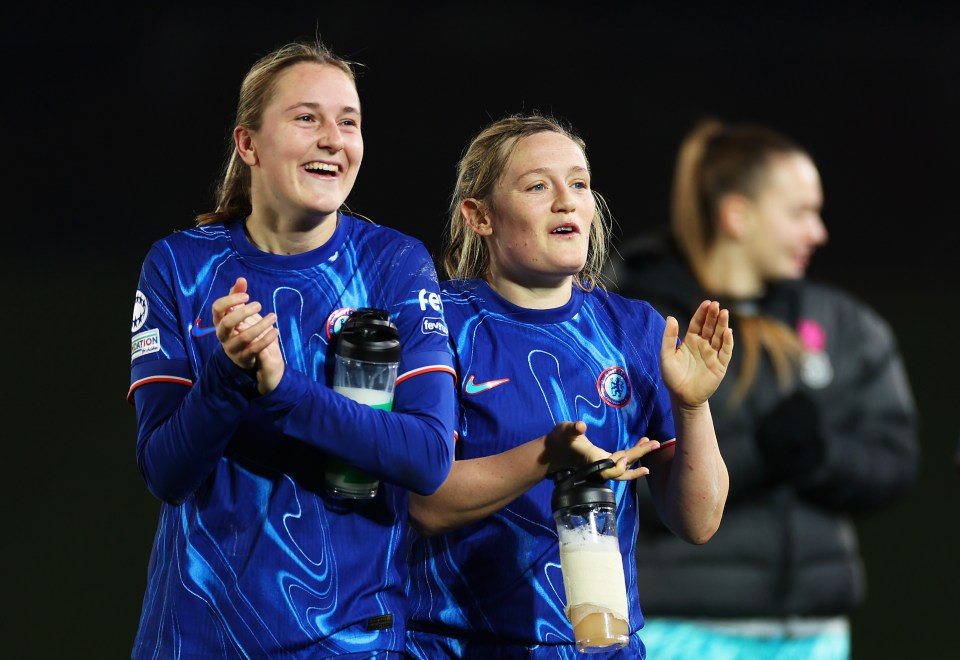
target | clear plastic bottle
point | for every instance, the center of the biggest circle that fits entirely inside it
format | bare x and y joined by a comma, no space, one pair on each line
585,511
367,354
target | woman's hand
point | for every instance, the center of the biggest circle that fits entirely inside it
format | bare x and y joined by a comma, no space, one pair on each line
567,445
249,339
693,370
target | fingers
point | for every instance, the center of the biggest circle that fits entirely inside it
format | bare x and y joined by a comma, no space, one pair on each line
709,326
721,339
576,428
622,472
699,316
568,432
709,320
237,296
235,302
261,333
582,452
265,339
567,445
247,322
726,348
671,335
244,333
712,323
625,458
720,329
643,447
238,318
223,306
244,346
240,286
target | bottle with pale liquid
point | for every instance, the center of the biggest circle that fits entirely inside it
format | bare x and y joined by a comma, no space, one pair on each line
367,355
585,511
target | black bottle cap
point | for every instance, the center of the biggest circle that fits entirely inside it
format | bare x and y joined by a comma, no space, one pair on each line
573,487
369,335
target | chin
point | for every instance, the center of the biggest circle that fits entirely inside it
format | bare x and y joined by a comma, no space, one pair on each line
322,210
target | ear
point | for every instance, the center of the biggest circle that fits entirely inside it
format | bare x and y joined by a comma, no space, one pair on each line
477,219
243,139
736,217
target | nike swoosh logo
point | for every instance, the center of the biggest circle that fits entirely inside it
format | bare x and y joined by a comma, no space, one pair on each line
199,331
475,388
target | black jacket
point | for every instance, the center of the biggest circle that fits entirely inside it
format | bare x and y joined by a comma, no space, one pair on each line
842,441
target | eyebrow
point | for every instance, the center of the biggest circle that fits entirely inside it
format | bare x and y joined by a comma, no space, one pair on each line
547,170
347,109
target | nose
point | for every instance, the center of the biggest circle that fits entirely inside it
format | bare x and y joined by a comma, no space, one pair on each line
818,230
564,202
330,138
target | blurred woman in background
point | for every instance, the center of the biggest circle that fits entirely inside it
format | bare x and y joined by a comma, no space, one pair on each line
815,419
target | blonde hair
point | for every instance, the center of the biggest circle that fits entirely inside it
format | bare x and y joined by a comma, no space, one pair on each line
465,254
716,160
256,91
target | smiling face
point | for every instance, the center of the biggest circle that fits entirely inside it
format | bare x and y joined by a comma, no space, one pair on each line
536,224
305,156
788,227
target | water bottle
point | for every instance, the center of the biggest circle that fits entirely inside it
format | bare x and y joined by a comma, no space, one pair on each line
367,354
585,511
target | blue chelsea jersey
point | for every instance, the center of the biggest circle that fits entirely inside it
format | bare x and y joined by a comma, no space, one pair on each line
362,265
520,372
255,562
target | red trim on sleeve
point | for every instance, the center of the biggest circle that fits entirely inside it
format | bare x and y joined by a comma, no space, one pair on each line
157,379
423,370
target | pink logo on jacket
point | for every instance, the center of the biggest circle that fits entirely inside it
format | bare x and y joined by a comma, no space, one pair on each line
812,335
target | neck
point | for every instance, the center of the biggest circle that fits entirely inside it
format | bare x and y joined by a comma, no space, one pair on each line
532,297
729,273
276,235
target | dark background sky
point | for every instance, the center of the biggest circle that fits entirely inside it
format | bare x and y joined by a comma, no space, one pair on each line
115,125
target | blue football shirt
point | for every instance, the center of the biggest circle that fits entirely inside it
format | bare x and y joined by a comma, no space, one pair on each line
520,372
251,558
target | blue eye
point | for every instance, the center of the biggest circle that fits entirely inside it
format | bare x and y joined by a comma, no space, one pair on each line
581,185
538,187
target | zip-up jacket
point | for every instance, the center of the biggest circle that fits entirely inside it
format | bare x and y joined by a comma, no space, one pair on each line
803,461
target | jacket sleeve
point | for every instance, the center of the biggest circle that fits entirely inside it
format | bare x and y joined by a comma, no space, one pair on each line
869,422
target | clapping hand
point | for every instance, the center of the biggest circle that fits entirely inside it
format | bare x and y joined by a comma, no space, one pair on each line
693,370
249,339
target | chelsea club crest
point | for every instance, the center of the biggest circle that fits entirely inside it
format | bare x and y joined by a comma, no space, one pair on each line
614,387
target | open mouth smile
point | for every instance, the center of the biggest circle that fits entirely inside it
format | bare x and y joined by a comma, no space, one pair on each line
328,169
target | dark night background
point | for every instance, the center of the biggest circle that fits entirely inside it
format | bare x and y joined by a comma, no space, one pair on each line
116,123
